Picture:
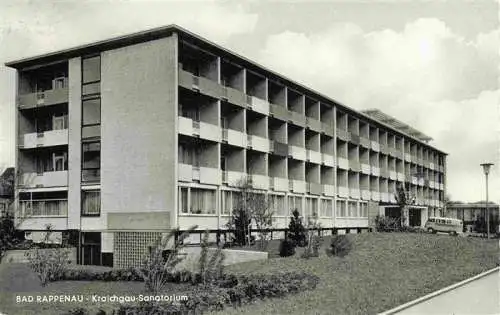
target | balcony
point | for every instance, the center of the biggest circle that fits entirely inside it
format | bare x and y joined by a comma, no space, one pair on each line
365,142
45,98
421,182
185,126
392,152
384,149
279,112
258,105
365,169
441,186
234,137
327,128
184,172
375,171
343,163
432,184
354,166
384,196
313,156
46,179
297,186
342,134
343,191
375,146
365,194
353,138
314,188
207,131
375,195
414,180
298,119
278,148
393,175
313,124
44,139
278,183
408,157
400,176
384,172
431,166
258,143
210,175
298,153
327,160
204,85
234,178
259,181
354,193
328,190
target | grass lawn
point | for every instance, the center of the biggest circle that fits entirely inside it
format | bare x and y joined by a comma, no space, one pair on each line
382,271
18,279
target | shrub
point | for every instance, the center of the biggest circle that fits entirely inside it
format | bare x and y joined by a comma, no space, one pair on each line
287,248
340,246
77,311
387,224
48,264
240,223
156,268
210,267
296,229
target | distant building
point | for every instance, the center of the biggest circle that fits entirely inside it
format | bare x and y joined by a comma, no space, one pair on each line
7,191
470,212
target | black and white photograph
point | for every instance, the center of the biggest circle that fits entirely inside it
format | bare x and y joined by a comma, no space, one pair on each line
286,157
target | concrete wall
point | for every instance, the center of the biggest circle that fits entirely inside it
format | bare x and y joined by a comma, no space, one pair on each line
139,114
75,139
231,256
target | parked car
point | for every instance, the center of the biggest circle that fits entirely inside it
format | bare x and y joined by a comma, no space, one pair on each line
446,225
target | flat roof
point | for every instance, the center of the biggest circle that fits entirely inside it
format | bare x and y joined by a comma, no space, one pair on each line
165,31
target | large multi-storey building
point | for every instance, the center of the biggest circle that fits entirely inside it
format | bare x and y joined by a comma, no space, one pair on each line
122,139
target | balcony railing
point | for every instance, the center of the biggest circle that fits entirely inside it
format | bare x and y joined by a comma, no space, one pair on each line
43,208
45,98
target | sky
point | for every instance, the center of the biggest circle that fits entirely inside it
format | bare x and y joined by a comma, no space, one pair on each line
431,64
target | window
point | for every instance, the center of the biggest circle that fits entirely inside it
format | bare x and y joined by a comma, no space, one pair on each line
326,208
59,122
353,209
295,203
60,162
202,201
277,204
91,161
91,69
91,203
364,210
312,207
230,201
91,112
183,200
59,83
341,209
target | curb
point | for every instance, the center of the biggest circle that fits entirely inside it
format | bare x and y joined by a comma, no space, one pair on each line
438,292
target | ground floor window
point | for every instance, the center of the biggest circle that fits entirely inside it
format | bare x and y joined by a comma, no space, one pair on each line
353,209
341,209
277,204
197,200
312,207
326,207
295,203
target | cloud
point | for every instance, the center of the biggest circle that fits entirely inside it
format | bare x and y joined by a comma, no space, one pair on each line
425,75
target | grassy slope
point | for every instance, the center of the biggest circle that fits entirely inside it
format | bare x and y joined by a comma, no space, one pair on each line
381,272
18,279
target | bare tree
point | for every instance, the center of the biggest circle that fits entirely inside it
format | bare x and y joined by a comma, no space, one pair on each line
404,199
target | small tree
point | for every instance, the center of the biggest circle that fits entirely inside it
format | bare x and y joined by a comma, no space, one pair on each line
314,241
211,266
404,199
296,229
49,264
156,267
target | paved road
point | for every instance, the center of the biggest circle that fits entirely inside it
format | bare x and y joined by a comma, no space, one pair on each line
479,297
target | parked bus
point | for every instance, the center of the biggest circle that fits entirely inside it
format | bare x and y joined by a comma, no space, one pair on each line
446,225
